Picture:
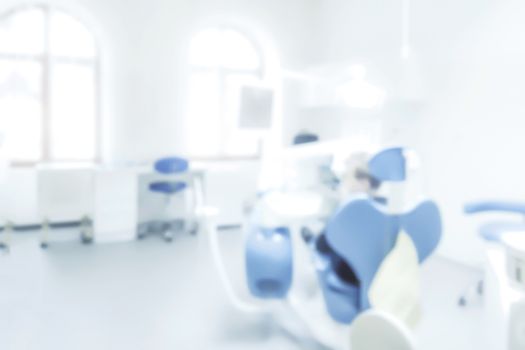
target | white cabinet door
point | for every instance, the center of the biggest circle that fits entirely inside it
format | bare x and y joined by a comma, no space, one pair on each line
115,216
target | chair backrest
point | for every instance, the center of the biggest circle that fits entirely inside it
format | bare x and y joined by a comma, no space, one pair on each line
362,234
171,165
423,225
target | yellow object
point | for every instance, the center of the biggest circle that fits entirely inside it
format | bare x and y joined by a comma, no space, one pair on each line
396,286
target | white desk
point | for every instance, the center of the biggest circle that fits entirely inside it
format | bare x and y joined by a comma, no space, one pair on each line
111,196
123,200
504,306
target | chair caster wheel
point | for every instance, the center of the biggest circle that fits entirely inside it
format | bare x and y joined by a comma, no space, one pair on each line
44,245
194,230
480,288
86,240
168,239
4,248
141,236
462,302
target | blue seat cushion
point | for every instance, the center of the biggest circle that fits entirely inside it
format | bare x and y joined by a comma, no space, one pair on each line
171,165
493,231
361,234
167,187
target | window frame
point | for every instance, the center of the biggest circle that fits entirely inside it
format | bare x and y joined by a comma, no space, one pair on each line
46,60
222,74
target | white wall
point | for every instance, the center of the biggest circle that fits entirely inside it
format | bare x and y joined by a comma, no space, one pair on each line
147,62
473,127
468,125
143,59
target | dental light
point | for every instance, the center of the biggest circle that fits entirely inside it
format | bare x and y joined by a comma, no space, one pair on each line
358,92
410,86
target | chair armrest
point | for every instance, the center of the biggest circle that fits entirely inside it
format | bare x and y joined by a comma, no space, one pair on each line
487,206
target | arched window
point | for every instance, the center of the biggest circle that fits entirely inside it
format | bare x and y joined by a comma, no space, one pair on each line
48,86
221,60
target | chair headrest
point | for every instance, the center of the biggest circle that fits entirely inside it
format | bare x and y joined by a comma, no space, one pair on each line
388,165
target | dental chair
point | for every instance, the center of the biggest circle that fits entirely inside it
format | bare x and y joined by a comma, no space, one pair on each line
492,232
366,262
361,235
169,189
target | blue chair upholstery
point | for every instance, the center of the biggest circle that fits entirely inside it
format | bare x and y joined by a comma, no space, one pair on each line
423,225
339,284
359,237
305,137
388,165
168,188
169,165
362,235
269,262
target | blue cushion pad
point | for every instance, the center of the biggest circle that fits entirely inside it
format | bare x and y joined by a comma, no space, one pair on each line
167,187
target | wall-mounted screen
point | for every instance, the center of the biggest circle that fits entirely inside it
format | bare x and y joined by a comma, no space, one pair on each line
256,107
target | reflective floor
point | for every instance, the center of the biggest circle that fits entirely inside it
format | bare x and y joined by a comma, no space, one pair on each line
153,295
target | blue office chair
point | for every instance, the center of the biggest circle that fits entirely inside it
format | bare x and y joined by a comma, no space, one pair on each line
492,232
169,189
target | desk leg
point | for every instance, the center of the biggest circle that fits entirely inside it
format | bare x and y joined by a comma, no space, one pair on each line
198,204
5,243
86,228
44,235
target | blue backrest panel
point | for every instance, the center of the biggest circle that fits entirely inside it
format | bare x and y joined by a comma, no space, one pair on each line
362,234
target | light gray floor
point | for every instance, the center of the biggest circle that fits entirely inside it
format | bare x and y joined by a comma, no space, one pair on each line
153,295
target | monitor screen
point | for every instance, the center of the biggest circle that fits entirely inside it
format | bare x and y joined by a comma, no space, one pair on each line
256,107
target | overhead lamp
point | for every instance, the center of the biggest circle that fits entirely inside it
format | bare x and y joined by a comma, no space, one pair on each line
357,92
